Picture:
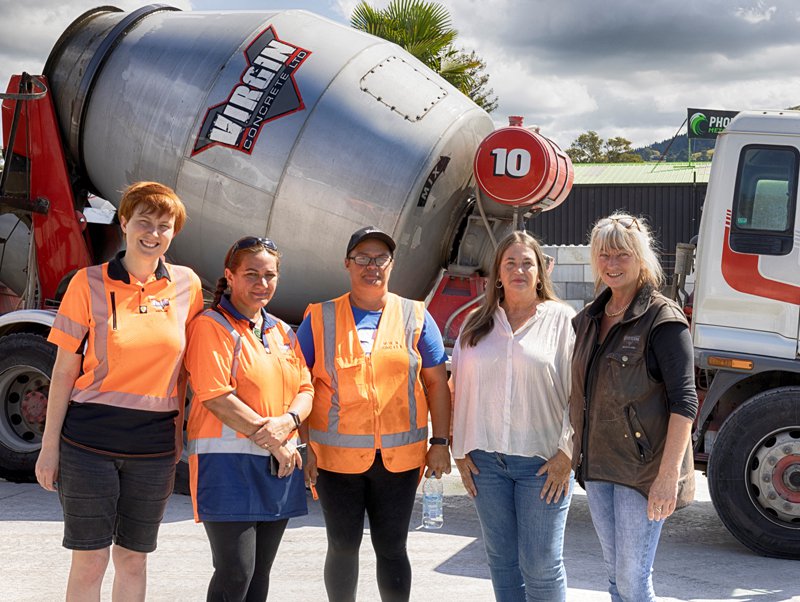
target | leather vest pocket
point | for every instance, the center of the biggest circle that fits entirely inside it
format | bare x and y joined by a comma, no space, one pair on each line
628,375
638,436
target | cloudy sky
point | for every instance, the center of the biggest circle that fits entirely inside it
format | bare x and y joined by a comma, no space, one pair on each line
621,67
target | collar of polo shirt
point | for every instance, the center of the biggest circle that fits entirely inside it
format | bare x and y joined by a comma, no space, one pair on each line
117,271
225,303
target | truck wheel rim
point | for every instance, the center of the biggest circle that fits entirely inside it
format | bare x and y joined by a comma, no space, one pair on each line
774,477
23,391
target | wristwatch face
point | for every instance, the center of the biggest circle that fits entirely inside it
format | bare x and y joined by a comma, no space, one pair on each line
439,441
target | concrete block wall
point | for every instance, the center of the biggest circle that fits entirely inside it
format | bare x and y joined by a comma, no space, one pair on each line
572,275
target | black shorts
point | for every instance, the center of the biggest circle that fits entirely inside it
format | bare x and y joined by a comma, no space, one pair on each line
110,499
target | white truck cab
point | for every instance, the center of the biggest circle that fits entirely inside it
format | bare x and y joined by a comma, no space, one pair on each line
745,324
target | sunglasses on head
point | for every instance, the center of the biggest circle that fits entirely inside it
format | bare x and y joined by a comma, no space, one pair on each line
249,242
625,222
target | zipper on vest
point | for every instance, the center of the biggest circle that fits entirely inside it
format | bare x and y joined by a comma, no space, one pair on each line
583,462
113,310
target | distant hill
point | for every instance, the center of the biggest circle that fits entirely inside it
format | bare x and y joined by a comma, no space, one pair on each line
678,151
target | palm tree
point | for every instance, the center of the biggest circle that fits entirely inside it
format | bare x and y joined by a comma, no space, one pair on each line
424,30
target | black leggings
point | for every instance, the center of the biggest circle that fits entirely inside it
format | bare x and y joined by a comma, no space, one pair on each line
243,553
388,499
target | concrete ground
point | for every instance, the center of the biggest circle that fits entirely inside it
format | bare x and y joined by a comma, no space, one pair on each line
697,558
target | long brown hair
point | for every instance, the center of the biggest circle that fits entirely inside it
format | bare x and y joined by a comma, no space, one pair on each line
480,322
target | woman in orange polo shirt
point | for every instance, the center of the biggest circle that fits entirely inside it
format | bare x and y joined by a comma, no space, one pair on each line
252,390
109,444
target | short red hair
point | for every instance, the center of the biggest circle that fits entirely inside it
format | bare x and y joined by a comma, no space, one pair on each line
152,197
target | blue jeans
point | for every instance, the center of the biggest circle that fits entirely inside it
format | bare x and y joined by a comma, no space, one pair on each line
629,540
523,535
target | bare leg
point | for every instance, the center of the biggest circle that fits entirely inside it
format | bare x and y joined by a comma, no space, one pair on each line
130,575
86,575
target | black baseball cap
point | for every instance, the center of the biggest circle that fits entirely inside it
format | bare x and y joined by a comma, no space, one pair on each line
370,232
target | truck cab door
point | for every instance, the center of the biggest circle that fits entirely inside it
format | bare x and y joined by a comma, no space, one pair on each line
747,296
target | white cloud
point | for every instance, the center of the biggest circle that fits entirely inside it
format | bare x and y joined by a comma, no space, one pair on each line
757,13
619,67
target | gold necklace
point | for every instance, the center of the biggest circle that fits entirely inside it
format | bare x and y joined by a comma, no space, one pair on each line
614,314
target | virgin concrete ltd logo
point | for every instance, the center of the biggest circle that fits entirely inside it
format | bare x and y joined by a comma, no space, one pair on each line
265,90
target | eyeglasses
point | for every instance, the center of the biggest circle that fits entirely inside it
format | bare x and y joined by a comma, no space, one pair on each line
380,261
625,222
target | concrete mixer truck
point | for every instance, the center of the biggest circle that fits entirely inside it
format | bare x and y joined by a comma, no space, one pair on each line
280,124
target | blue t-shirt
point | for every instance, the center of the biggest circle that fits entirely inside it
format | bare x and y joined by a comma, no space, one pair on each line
430,344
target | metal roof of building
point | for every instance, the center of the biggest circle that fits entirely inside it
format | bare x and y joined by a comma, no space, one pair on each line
641,173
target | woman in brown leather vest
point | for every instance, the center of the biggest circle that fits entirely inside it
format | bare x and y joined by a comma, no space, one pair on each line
632,404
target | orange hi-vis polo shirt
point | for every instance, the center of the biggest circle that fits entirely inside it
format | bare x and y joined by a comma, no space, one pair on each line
229,474
265,374
132,335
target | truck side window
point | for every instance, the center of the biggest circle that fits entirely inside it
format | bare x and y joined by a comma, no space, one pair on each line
764,201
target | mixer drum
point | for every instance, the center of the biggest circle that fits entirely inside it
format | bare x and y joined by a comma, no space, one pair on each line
278,124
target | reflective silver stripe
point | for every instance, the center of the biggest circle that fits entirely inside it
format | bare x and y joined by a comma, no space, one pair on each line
97,295
237,339
70,327
183,299
329,340
400,439
214,445
339,440
125,400
409,324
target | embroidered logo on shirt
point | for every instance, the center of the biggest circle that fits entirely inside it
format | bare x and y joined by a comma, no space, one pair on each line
158,304
630,342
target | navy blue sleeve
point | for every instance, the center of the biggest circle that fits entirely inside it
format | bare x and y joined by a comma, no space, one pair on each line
671,361
305,336
430,344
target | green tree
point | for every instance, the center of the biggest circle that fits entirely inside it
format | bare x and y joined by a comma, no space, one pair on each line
587,148
480,92
425,31
618,150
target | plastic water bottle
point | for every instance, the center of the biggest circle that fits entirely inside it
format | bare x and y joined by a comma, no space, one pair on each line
432,493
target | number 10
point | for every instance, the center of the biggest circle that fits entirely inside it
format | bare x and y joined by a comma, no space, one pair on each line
515,163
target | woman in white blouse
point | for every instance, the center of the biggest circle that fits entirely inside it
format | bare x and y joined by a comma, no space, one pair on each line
512,438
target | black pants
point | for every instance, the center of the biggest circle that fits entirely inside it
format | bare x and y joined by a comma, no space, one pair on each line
243,553
388,500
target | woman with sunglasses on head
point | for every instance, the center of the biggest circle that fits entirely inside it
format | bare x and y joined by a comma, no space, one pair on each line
378,364
252,390
115,409
632,404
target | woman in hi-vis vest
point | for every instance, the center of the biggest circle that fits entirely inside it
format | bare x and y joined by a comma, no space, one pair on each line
370,353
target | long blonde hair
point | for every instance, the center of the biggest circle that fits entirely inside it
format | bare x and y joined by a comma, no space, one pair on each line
623,232
480,322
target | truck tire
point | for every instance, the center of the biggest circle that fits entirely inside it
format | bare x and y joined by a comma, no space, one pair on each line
754,473
26,363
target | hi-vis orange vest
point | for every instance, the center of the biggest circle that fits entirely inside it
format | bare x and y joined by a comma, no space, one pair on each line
363,403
